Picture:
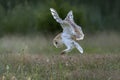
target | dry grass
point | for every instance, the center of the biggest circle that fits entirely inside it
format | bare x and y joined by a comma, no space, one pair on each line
82,67
35,58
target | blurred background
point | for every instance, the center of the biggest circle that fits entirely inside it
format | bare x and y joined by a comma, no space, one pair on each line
27,29
32,16
33,22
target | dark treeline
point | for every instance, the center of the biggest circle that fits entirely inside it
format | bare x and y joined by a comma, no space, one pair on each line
29,16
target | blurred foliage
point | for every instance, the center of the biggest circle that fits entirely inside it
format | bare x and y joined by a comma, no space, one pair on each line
29,16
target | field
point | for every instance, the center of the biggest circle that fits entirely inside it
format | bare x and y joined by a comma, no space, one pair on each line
33,57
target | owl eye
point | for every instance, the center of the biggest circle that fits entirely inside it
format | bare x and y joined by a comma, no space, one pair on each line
56,42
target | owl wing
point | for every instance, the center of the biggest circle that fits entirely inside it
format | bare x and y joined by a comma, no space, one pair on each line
69,16
77,31
68,22
55,15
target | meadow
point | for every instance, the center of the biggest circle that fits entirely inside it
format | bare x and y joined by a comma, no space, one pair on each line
33,57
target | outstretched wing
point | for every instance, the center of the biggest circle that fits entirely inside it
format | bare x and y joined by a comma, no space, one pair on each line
69,16
77,31
63,23
55,15
68,22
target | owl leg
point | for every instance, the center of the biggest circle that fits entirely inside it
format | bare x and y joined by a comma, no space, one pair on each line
66,50
69,46
78,47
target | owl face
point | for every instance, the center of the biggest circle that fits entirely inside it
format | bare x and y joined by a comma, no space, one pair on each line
57,43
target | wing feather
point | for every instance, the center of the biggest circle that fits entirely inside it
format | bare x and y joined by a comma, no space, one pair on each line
69,16
68,22
77,31
55,15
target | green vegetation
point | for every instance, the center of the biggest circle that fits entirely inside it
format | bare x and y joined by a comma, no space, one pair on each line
31,16
35,58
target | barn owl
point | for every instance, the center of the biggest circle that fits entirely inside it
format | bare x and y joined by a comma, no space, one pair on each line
70,35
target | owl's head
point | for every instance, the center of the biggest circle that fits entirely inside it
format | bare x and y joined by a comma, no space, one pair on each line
57,41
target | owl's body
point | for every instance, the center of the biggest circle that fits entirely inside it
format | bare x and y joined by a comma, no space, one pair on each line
69,41
71,33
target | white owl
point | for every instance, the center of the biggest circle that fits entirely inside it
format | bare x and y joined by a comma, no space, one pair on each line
71,33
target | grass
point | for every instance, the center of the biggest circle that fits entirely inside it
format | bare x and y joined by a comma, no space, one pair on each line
35,58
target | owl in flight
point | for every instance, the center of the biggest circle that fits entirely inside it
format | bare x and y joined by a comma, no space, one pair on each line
70,35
